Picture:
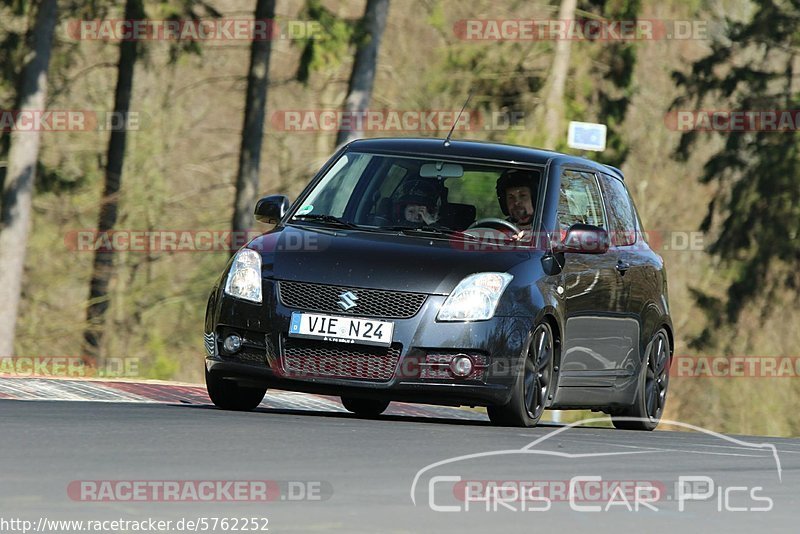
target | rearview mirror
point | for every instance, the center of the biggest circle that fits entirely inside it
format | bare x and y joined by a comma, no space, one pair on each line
271,209
584,239
441,169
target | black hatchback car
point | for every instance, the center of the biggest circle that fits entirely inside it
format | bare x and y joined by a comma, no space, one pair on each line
448,272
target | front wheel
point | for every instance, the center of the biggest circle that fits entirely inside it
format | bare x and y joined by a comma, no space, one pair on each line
651,394
365,407
229,395
532,387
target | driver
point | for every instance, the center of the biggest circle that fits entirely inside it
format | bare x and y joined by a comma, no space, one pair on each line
515,189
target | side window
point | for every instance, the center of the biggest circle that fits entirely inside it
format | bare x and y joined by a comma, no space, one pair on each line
335,189
579,201
621,216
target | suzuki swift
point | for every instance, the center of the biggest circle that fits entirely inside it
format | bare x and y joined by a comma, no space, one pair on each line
448,272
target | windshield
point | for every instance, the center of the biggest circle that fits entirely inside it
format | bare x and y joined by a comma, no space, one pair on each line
372,191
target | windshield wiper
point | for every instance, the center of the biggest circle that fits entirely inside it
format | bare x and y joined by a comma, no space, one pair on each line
422,230
329,220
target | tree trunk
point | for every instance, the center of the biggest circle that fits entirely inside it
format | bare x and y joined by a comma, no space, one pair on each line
247,178
15,214
103,268
554,103
362,77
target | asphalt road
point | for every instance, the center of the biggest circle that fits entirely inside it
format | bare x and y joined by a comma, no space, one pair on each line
332,471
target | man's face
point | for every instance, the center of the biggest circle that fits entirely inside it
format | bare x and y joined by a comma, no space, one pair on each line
520,204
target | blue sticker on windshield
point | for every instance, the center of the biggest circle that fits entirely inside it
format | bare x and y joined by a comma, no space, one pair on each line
308,208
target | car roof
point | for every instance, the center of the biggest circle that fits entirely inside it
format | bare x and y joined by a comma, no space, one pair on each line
478,150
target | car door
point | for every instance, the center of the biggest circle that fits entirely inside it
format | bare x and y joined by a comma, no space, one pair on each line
632,264
594,346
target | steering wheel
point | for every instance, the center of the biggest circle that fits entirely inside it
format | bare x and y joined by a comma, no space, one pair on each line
494,222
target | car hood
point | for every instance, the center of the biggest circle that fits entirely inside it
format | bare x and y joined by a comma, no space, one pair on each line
376,260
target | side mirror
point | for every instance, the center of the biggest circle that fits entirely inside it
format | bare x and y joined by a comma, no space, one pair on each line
271,209
584,239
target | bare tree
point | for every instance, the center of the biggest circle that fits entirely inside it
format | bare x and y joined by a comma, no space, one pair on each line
15,214
554,102
362,77
247,178
103,268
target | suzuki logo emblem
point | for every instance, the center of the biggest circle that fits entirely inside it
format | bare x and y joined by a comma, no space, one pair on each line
347,300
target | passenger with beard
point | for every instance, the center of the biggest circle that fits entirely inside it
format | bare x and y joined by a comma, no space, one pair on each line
515,191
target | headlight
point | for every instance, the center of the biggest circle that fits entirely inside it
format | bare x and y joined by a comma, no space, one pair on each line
475,298
244,278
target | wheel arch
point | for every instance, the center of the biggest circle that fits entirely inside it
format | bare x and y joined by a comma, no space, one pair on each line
670,337
549,316
653,318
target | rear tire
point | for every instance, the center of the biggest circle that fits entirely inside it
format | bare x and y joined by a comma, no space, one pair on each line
365,407
533,385
651,393
229,395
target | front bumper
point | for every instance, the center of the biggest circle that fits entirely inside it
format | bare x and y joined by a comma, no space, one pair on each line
496,344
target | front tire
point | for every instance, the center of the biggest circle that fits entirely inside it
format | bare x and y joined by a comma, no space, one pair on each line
651,393
229,395
532,387
365,407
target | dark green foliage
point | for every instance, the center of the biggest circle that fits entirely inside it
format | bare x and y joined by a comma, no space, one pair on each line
612,70
754,213
10,61
503,77
327,49
57,180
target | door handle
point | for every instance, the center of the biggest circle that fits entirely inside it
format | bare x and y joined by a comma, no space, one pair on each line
623,266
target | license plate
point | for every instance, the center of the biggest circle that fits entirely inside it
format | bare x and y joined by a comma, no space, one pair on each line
341,329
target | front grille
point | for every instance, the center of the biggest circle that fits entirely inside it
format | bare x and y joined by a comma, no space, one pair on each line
306,358
369,302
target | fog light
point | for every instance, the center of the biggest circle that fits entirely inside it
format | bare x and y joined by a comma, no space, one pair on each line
232,344
461,365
